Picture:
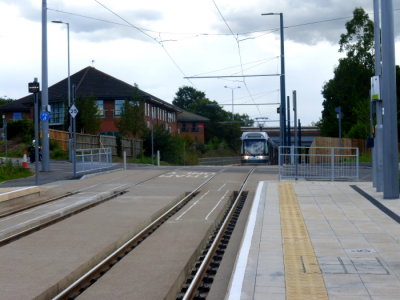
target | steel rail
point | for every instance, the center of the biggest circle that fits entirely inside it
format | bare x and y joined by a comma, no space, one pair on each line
115,193
58,218
13,212
63,294
192,289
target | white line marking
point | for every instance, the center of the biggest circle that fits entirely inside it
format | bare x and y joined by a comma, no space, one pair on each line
191,206
235,286
221,187
219,201
18,190
57,210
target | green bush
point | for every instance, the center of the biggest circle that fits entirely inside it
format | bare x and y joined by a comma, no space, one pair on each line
9,171
21,130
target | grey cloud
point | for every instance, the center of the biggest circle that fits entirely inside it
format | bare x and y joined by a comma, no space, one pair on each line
94,24
296,13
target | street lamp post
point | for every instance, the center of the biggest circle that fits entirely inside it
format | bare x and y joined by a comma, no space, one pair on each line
69,86
232,88
282,80
34,88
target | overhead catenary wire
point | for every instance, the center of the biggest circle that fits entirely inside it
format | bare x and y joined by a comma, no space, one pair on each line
149,36
236,37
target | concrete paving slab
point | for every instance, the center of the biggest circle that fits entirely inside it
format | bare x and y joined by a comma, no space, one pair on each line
356,244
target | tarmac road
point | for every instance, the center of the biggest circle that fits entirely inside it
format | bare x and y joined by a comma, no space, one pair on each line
63,170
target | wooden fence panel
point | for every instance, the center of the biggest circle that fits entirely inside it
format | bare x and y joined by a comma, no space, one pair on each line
133,147
335,142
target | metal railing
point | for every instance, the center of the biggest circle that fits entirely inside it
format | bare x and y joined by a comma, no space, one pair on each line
93,159
219,161
323,163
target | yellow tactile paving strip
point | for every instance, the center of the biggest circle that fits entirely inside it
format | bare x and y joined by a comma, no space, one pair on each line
303,276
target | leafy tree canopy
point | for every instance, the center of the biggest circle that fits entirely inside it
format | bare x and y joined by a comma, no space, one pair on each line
350,85
89,121
220,128
131,120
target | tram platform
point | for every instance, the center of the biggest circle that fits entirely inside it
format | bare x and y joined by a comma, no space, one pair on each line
319,240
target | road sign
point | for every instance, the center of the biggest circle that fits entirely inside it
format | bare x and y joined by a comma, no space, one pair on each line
45,116
73,111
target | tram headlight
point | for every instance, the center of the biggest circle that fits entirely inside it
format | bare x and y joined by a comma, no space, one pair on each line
246,157
261,157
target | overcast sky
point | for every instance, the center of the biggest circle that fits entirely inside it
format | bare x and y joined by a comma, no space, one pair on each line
156,43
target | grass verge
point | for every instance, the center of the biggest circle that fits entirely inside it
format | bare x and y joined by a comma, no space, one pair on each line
8,171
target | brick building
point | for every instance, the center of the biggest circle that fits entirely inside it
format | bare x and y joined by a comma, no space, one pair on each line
110,94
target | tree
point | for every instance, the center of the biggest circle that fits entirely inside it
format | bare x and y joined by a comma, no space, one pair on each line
220,129
187,96
350,86
131,121
4,101
89,118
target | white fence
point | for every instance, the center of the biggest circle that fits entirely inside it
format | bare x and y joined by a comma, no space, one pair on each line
326,163
93,159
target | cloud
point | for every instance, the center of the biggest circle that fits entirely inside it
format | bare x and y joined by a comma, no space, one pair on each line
306,22
93,23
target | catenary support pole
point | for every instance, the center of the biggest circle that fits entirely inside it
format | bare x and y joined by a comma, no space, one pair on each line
390,151
377,160
289,136
45,92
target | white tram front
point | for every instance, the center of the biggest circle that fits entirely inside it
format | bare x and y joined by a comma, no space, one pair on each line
255,149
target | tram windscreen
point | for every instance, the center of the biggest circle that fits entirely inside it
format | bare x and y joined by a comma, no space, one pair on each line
255,147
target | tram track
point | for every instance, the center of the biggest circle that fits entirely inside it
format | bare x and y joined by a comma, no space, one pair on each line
210,256
103,197
199,281
95,273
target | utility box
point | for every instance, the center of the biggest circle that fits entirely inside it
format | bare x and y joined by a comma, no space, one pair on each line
375,89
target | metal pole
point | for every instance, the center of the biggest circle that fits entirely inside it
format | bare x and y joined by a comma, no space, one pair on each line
390,140
340,127
288,122
297,156
45,91
74,134
69,93
5,135
36,127
152,137
377,160
295,116
232,104
282,81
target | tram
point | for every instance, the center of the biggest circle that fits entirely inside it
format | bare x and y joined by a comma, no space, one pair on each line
257,148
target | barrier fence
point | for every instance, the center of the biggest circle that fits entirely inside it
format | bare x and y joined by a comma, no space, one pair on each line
93,159
326,163
132,147
221,161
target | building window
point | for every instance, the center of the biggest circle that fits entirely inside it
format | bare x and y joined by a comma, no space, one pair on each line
195,127
118,106
185,127
17,116
100,108
57,114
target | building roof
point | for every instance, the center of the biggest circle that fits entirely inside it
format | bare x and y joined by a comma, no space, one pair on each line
89,82
185,116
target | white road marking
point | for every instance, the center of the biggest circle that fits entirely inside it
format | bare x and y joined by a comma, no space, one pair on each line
53,212
216,205
235,286
191,206
221,187
18,190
